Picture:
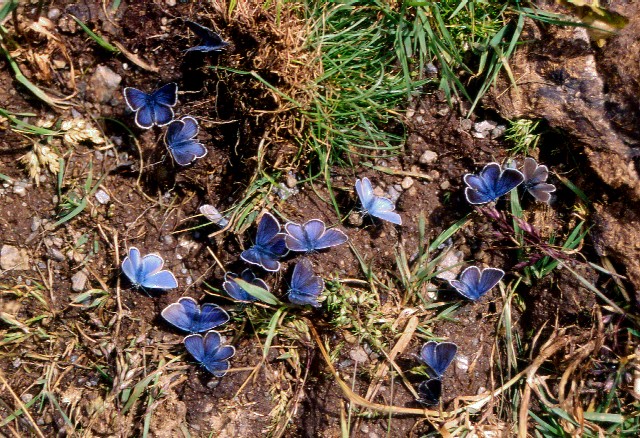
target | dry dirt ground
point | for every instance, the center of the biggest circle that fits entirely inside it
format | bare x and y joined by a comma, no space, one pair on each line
106,364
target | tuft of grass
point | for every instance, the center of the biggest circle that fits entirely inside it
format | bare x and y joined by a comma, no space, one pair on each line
524,135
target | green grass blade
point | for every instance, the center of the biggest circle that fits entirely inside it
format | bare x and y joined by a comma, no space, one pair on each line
258,292
97,38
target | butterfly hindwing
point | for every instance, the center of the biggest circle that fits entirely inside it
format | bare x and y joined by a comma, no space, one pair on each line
155,108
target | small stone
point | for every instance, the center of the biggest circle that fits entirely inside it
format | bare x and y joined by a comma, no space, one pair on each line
444,185
359,355
20,189
35,223
78,281
291,180
428,157
16,362
498,131
12,258
26,397
412,191
450,265
466,124
407,182
170,2
104,83
59,64
56,255
53,14
394,194
462,362
102,197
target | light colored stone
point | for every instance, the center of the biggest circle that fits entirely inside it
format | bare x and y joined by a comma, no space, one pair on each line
20,189
13,258
78,281
102,197
104,83
358,355
450,265
291,180
407,182
428,157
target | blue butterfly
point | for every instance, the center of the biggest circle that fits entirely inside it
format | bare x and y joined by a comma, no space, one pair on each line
429,392
146,272
235,291
152,109
269,246
373,205
312,236
209,352
210,40
535,180
491,183
473,283
188,316
305,285
180,141
438,356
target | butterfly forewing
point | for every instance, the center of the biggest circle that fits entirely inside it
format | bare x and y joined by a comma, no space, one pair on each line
438,356
429,392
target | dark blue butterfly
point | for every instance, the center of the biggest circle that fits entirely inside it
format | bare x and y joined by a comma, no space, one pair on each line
312,236
473,283
210,40
437,356
209,352
152,109
146,272
180,141
269,246
429,392
306,287
235,291
188,316
535,180
373,205
491,183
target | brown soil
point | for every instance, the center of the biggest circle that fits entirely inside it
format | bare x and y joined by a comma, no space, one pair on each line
83,359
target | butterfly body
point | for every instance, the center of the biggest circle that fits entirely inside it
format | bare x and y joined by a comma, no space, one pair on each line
535,180
180,141
209,352
146,272
306,287
269,245
190,317
474,283
152,109
376,206
491,183
209,40
236,292
312,236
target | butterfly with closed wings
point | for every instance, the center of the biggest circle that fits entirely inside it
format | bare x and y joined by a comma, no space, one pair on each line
437,356
152,109
209,40
535,180
190,317
146,272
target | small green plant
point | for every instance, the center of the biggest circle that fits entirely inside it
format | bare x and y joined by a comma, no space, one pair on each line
524,135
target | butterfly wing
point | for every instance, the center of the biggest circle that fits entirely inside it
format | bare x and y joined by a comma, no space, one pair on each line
160,280
182,314
210,316
267,229
477,191
382,208
305,285
529,168
365,192
489,278
542,191
467,285
509,180
131,265
429,392
145,117
135,98
187,152
179,141
332,237
257,255
166,95
195,346
211,41
296,239
441,356
234,290
215,355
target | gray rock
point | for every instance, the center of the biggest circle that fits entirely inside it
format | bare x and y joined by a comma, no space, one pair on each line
450,265
12,258
393,193
483,129
35,223
78,281
20,188
104,83
407,182
102,197
466,124
56,255
291,180
498,131
428,157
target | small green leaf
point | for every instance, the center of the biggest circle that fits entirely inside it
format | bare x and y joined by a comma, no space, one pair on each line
258,292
